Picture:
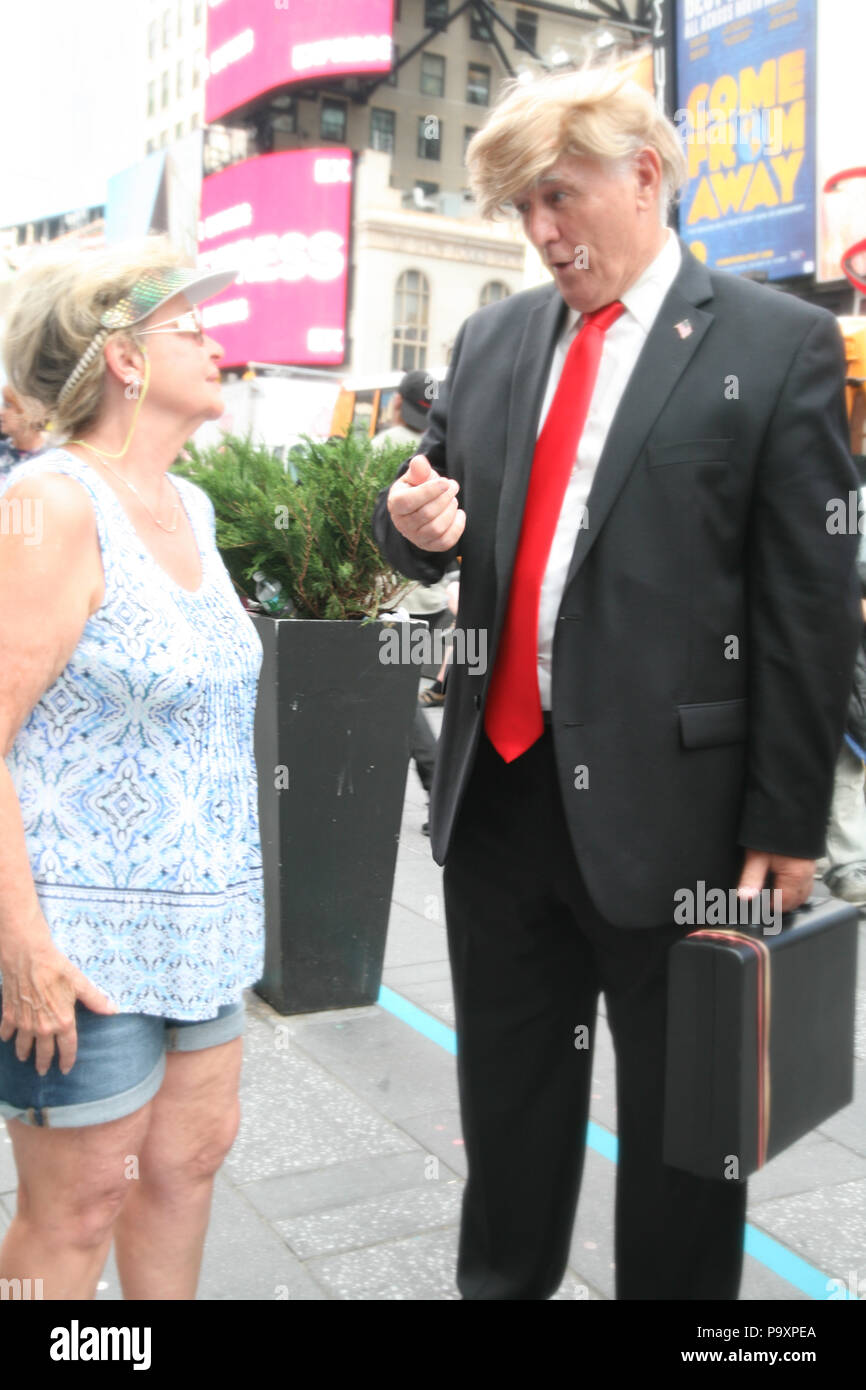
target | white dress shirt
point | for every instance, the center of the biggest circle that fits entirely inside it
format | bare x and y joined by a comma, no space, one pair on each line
622,345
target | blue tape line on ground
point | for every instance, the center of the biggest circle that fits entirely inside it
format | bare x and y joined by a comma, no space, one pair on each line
787,1265
602,1140
422,1022
761,1247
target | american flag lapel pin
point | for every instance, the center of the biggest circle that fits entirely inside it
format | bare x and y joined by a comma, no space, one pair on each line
684,328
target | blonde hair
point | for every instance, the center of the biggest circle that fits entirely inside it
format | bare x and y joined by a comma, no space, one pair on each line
595,112
54,316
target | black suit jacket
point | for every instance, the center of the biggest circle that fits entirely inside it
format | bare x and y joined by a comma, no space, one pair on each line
705,643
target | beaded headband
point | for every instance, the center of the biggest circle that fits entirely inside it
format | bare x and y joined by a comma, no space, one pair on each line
146,295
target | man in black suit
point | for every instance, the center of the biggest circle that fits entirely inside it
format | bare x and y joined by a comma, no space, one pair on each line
687,678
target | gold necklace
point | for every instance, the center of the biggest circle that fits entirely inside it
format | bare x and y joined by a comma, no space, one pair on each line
134,490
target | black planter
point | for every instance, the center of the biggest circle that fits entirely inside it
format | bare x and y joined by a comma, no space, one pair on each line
333,722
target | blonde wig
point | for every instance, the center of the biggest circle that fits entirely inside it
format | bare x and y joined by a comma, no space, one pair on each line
53,328
596,112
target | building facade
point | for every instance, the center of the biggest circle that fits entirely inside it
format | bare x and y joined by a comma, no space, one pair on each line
447,74
175,72
422,260
417,276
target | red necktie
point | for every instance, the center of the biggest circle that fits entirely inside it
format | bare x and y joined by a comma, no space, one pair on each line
512,714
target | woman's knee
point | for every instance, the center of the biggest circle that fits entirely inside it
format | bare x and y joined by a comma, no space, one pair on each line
72,1183
197,1157
210,1153
83,1218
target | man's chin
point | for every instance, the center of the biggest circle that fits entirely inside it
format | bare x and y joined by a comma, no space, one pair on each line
579,292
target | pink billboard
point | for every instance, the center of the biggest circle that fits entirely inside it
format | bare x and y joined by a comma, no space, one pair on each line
281,220
256,45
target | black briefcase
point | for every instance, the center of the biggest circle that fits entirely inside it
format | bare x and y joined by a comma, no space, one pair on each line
760,1038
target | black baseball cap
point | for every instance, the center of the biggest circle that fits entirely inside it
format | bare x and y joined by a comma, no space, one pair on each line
417,391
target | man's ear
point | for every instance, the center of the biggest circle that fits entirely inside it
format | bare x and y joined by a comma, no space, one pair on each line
648,173
123,358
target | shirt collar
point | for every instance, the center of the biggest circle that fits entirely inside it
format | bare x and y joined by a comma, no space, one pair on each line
644,298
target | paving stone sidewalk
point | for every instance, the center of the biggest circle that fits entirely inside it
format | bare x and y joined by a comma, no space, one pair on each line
345,1180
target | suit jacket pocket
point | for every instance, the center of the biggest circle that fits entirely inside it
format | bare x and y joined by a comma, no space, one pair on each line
689,451
712,722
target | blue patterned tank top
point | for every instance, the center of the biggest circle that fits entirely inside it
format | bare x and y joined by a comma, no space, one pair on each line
136,777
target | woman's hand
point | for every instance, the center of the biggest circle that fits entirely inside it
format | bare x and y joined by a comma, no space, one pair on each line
40,987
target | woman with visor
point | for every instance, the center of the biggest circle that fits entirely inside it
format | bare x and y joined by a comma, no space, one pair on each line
131,911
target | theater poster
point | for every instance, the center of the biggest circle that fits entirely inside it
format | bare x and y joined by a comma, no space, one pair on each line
746,116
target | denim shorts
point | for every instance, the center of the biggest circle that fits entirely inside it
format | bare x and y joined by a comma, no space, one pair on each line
119,1066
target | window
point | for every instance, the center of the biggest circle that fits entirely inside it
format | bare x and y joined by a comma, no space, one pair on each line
392,75
151,39
166,28
333,120
435,12
429,137
166,88
179,17
382,124
178,130
151,98
492,291
411,318
468,132
197,12
432,75
478,85
479,28
196,70
151,146
163,139
178,83
526,24
285,118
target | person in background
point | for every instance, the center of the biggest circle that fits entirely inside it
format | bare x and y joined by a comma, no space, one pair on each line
844,867
131,908
22,422
435,693
410,409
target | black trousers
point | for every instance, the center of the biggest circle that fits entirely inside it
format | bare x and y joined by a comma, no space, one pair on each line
422,747
529,956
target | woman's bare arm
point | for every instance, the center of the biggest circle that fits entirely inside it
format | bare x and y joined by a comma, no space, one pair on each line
50,582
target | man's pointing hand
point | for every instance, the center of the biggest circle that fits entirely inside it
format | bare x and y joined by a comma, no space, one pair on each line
423,507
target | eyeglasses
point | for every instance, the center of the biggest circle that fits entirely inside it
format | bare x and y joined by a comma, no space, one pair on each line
190,322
